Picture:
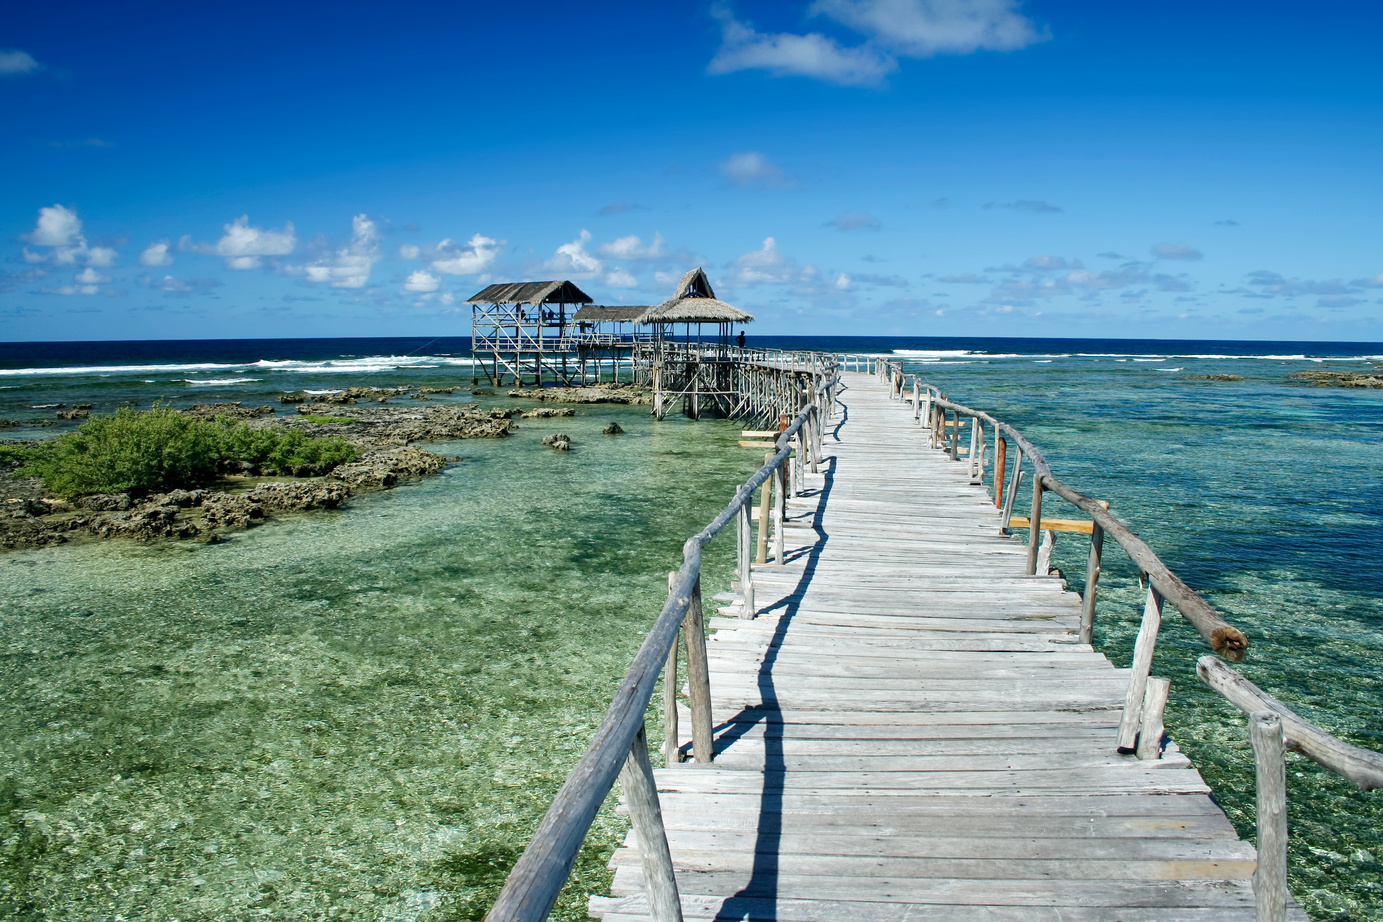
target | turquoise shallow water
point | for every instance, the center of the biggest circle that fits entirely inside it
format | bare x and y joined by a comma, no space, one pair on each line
362,714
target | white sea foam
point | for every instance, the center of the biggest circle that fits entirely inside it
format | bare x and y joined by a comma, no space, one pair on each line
337,391
107,370
219,381
1169,369
1163,359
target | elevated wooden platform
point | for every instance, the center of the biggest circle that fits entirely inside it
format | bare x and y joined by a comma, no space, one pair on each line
909,730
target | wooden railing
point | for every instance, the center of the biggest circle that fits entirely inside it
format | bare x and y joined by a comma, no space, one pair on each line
620,745
1273,727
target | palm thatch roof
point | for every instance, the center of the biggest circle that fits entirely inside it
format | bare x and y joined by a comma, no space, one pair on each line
694,302
602,313
530,293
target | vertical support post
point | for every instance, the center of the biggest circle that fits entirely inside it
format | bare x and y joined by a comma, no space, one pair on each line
1012,490
1092,582
746,563
1269,756
646,816
780,513
657,390
698,677
1035,524
672,753
1143,649
927,417
975,443
1000,468
955,436
765,492
916,402
1151,727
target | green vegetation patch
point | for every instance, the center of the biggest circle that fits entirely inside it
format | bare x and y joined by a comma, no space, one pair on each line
328,420
161,449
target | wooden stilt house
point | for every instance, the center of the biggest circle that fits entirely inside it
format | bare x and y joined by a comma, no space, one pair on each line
522,329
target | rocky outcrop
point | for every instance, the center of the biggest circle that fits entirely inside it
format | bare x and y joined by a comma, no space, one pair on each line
613,429
144,524
1372,379
347,395
301,496
231,410
549,412
231,510
384,467
597,393
1214,378
104,502
558,440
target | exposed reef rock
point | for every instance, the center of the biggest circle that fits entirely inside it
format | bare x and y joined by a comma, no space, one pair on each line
613,429
232,410
597,393
1372,379
558,440
1213,378
384,467
549,412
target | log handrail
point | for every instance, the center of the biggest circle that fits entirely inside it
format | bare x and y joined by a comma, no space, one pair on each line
533,884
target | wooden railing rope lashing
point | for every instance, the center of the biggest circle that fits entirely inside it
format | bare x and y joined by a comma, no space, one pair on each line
619,748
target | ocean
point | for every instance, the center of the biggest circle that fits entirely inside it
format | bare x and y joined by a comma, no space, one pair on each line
363,713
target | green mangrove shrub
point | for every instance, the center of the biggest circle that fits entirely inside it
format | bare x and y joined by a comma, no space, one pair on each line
161,449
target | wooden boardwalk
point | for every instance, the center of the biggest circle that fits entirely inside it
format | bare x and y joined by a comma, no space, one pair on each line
909,730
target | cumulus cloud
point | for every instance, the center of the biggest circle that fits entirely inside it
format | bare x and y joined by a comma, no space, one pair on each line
854,221
1050,263
14,61
243,246
572,261
788,55
420,280
631,247
410,251
1332,293
890,28
966,278
475,256
173,287
349,266
766,265
619,278
752,168
58,231
1176,251
156,254
1375,282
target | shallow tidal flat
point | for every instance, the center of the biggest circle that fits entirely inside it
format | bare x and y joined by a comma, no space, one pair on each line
355,714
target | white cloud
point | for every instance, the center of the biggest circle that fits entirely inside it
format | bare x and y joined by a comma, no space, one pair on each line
1375,282
572,261
1176,251
474,257
90,276
156,254
923,28
752,168
59,231
349,267
632,247
967,278
410,251
422,281
766,265
784,54
666,278
843,282
619,278
57,227
14,61
891,29
244,247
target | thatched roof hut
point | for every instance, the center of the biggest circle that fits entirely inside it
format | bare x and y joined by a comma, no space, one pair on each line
534,293
694,302
603,313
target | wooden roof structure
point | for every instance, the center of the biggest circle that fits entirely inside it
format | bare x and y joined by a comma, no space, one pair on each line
613,313
534,293
694,302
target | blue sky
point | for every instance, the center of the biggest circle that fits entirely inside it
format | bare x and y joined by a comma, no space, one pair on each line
912,167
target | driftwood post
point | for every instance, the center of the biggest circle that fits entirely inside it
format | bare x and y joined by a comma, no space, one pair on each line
646,816
1092,581
1000,468
1143,648
698,677
1151,726
1035,525
1269,756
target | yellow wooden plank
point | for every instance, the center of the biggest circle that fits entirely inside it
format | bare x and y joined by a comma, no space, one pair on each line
744,444
1076,525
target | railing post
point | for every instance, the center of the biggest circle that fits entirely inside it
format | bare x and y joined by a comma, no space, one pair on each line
780,513
746,562
765,493
1269,756
1035,524
1143,649
955,436
698,677
1092,581
976,442
672,750
646,816
1150,726
1000,468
